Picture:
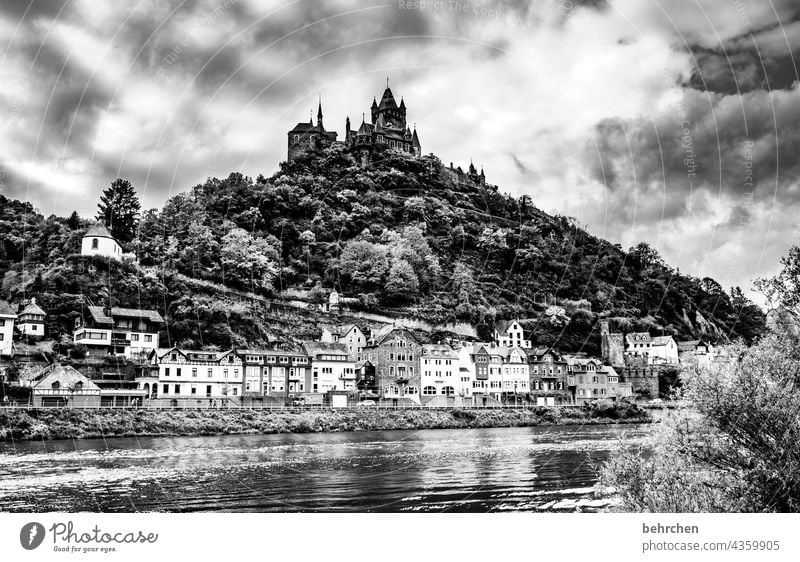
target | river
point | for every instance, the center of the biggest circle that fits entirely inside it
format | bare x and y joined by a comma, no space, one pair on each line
466,470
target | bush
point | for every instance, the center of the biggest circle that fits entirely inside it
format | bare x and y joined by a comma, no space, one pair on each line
735,449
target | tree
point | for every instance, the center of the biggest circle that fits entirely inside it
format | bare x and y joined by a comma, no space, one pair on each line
119,208
402,284
734,449
363,264
248,260
74,221
783,290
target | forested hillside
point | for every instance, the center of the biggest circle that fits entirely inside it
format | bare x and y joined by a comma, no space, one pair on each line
402,234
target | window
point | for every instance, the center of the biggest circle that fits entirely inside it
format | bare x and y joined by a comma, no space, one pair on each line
148,338
429,390
56,385
94,243
210,372
177,389
194,372
448,391
194,389
166,371
208,390
134,337
178,372
235,391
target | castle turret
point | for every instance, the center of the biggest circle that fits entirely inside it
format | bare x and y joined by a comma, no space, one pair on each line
374,110
415,142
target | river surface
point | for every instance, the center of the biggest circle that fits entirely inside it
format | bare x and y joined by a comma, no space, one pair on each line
464,470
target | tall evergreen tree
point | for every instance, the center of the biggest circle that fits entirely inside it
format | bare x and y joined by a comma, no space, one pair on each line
74,221
119,208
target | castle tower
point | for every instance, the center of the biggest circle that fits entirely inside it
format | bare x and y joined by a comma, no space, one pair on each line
611,345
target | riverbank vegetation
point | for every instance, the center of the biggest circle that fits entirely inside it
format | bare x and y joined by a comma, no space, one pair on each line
26,424
736,448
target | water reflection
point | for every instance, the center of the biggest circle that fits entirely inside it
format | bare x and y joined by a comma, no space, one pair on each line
431,470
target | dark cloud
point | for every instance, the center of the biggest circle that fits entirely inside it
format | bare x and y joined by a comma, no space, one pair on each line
717,145
29,10
766,59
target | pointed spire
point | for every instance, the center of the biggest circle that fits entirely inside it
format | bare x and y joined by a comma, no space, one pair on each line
387,82
310,116
319,113
402,103
374,102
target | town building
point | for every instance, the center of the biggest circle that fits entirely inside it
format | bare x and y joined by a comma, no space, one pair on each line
549,384
332,367
30,320
275,372
190,378
699,351
366,382
7,319
395,351
61,386
120,331
98,241
509,334
590,380
439,371
348,334
664,349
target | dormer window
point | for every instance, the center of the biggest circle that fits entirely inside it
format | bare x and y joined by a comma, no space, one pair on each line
56,385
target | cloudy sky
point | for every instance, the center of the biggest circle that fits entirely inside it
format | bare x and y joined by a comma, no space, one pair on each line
672,122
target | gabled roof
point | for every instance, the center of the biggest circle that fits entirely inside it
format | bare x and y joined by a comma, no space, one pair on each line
33,308
638,337
662,340
6,310
99,230
66,377
381,335
340,331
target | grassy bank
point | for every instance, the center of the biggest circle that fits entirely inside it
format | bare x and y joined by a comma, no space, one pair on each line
69,424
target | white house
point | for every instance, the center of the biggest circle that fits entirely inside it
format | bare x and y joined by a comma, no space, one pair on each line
121,331
510,334
332,367
348,334
664,349
7,319
439,371
98,241
188,377
30,321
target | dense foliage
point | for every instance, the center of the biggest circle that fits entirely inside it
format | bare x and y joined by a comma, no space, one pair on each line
402,233
735,450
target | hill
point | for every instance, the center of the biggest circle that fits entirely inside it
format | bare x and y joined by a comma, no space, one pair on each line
404,234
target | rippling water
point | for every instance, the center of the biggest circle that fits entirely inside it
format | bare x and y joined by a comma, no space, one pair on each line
432,470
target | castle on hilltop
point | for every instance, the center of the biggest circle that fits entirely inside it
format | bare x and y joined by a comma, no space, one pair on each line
388,128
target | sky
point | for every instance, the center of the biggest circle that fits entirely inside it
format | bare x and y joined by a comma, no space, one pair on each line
674,123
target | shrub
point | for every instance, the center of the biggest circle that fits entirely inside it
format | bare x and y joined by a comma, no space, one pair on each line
736,449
